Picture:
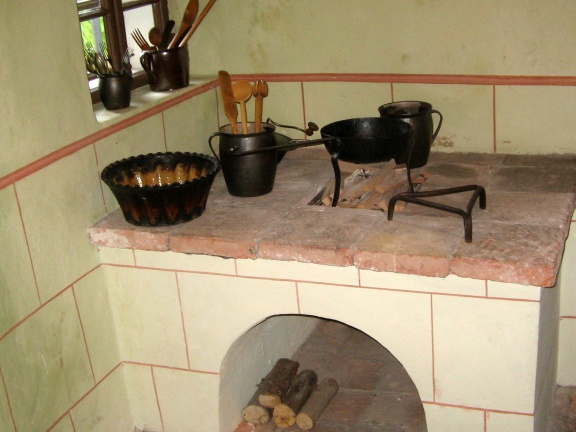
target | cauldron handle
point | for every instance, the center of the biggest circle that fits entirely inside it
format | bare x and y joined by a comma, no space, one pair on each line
437,127
215,134
312,127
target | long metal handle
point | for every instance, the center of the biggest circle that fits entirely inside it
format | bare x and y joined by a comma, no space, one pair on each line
293,144
312,127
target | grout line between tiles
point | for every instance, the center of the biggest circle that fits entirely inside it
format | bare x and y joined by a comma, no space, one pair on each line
83,333
182,317
157,398
7,398
27,244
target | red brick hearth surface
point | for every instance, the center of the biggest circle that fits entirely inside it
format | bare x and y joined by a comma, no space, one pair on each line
376,394
518,238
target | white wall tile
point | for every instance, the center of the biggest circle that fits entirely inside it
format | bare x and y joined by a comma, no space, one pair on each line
106,408
535,119
513,291
451,284
327,102
185,262
64,425
190,123
188,400
400,321
45,364
218,309
468,124
18,294
110,255
453,419
477,340
504,422
147,315
6,423
142,396
298,271
59,203
98,322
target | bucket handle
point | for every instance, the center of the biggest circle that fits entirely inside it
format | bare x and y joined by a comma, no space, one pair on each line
215,134
437,127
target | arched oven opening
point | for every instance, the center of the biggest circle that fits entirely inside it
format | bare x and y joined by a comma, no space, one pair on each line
375,392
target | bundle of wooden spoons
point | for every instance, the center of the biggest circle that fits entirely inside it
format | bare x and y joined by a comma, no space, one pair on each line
239,92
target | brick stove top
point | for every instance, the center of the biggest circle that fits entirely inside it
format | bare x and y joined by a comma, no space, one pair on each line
518,238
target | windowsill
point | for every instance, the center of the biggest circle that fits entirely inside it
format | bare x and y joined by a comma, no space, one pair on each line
143,99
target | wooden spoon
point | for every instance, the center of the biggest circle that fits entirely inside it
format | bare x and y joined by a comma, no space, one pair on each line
242,91
260,92
187,20
230,107
155,36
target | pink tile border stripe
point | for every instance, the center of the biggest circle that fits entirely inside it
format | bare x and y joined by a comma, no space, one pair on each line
516,80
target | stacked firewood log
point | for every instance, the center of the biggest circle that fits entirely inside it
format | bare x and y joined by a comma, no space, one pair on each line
371,187
289,397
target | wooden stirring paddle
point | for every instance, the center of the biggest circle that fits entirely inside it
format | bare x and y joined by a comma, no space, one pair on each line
188,19
228,99
202,15
260,91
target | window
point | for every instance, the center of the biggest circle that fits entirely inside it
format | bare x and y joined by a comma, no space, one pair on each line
107,24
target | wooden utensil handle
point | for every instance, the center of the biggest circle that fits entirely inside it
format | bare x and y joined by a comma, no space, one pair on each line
197,22
258,117
244,117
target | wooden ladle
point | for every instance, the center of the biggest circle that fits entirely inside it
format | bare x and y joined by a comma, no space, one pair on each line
260,91
242,91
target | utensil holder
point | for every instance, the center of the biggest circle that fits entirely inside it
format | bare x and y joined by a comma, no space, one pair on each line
167,69
247,175
115,90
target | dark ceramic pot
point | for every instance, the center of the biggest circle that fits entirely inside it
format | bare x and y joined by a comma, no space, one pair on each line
115,90
167,69
161,188
418,115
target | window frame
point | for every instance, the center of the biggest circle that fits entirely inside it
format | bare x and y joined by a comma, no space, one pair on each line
112,12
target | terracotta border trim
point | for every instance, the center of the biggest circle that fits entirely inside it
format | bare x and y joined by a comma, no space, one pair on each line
419,79
494,80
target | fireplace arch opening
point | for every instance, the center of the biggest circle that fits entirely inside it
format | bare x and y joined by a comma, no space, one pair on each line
376,392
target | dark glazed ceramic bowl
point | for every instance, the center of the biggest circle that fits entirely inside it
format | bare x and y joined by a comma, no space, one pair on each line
161,188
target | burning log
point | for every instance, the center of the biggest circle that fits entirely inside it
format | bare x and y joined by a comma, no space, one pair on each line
316,404
254,412
285,413
275,385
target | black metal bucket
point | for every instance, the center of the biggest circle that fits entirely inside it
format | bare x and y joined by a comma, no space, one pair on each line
247,175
